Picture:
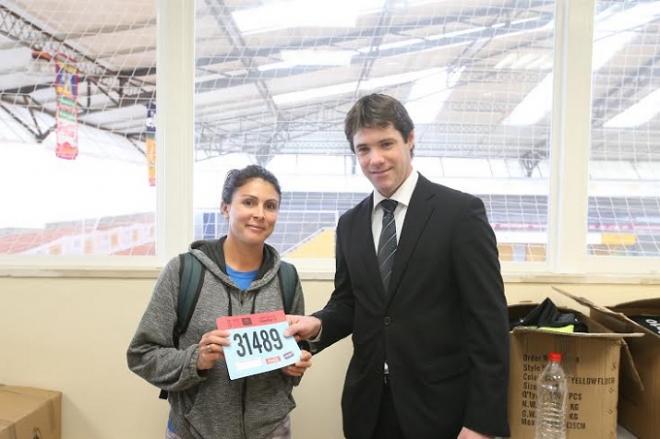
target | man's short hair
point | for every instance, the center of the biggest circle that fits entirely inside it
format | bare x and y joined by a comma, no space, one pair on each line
377,110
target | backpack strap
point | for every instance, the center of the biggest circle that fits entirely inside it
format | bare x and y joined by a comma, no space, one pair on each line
191,275
190,284
288,282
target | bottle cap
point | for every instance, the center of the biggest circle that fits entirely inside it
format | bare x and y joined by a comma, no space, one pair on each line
555,357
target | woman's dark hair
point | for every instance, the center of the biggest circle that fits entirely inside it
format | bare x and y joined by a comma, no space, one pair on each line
377,110
238,177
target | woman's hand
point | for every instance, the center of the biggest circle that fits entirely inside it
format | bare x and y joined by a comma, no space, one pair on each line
298,369
211,348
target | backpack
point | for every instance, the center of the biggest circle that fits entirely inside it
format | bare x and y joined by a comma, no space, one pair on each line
191,275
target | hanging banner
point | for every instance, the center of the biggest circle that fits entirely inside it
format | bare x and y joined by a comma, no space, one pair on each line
66,90
150,142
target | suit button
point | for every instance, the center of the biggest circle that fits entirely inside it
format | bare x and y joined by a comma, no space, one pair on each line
387,320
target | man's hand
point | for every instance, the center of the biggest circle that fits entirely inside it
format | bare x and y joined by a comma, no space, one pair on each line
466,433
298,369
302,327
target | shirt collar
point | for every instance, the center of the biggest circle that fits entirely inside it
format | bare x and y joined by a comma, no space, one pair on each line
403,194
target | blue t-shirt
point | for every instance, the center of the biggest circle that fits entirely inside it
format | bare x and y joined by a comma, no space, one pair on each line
241,278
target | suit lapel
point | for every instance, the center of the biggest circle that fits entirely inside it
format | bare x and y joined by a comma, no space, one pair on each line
417,216
367,253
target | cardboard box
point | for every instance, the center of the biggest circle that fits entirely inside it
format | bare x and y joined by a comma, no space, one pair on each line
639,405
591,363
28,413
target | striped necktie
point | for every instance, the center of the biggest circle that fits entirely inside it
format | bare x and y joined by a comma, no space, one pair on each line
387,242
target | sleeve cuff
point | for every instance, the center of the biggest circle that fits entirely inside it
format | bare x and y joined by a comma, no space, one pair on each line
318,336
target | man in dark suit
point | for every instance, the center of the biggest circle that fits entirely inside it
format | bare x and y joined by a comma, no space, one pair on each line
418,285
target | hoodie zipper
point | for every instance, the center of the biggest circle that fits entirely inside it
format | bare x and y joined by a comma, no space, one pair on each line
241,295
243,401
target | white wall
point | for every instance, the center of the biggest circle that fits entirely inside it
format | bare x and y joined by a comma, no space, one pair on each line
71,334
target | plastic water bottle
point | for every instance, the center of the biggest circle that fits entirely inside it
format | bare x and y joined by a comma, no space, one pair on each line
551,400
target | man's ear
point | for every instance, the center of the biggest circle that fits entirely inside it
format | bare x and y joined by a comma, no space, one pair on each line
411,140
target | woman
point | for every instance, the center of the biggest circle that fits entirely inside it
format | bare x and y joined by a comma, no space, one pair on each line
241,278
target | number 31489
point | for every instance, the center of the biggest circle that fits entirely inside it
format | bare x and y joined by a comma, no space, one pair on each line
257,341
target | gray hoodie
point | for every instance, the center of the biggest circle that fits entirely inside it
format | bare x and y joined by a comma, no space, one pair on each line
207,404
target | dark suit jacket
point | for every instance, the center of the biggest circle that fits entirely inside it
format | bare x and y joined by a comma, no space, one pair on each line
442,326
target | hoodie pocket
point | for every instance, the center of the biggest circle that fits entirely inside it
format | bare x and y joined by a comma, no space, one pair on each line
268,401
217,408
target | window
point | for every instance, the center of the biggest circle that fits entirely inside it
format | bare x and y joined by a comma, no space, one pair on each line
275,79
624,168
77,89
566,162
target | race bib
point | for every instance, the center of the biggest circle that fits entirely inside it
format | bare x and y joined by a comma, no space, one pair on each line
257,343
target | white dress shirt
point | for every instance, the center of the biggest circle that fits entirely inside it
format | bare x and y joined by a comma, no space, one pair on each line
402,197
